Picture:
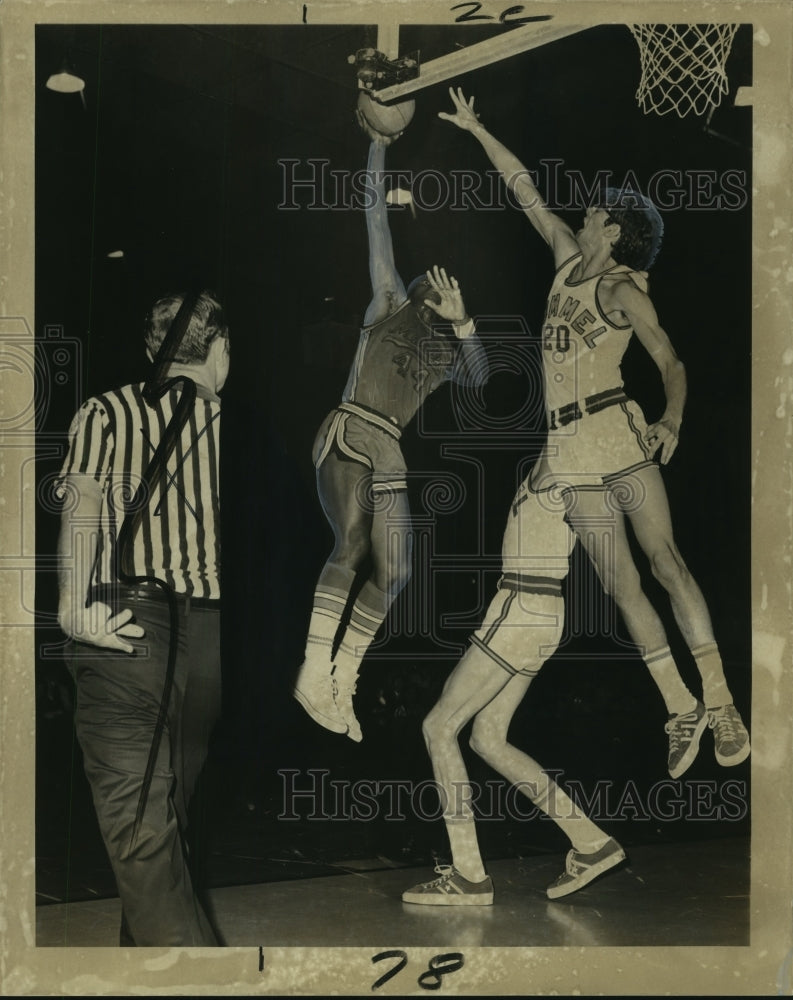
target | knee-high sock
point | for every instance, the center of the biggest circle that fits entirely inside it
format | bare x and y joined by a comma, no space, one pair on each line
583,834
529,778
465,850
368,613
460,824
330,600
664,672
714,685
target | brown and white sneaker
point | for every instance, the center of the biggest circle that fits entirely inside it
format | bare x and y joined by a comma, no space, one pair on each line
581,869
684,732
730,737
451,889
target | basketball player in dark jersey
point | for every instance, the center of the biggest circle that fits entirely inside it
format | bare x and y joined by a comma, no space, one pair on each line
600,452
403,355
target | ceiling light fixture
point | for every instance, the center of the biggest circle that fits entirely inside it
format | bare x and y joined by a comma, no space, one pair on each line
66,81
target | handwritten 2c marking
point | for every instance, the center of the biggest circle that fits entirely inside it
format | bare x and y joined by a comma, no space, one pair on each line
507,16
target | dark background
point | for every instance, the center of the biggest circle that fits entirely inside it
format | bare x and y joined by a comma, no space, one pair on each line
174,160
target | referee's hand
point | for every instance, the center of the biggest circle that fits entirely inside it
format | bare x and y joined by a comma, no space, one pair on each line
98,626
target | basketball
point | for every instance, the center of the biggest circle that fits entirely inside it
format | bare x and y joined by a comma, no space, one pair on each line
387,119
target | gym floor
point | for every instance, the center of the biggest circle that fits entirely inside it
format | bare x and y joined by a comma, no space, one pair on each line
680,894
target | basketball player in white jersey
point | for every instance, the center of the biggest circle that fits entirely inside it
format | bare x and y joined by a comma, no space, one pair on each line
599,449
521,630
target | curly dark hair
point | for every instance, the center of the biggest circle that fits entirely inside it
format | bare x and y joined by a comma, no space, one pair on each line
206,323
420,289
641,227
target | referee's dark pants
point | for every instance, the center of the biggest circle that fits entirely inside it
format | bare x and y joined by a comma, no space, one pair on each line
117,703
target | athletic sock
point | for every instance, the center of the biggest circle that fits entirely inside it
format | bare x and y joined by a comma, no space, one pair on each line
714,685
330,600
368,613
465,848
585,836
663,669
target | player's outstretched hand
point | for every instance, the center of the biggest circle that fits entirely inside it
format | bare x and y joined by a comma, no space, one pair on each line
373,134
464,117
451,304
98,626
663,435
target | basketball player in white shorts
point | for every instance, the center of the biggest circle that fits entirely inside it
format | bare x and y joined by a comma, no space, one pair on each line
521,629
599,448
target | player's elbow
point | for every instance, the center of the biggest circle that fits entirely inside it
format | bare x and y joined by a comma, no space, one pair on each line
522,187
673,369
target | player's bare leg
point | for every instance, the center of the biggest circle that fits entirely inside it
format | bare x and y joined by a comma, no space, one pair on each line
601,530
593,851
390,544
485,686
341,484
596,518
652,523
471,685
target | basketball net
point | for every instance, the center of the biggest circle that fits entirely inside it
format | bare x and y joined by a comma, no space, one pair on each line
682,66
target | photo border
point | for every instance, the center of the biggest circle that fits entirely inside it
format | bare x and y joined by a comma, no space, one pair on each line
763,967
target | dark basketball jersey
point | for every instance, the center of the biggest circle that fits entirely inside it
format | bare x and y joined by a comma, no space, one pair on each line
398,363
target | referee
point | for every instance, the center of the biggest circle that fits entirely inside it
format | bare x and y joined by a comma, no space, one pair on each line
119,634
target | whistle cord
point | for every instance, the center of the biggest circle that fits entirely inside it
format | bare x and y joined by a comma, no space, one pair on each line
154,389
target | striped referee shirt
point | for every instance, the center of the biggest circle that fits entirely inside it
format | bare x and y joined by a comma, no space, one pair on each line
113,438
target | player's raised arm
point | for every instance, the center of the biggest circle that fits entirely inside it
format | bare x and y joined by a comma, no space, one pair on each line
556,233
388,290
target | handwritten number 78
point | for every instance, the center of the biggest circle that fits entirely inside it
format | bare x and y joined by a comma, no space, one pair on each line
439,965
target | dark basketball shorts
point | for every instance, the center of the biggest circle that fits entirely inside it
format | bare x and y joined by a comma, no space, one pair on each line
359,435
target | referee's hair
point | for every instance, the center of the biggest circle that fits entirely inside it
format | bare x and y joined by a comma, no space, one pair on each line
206,323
